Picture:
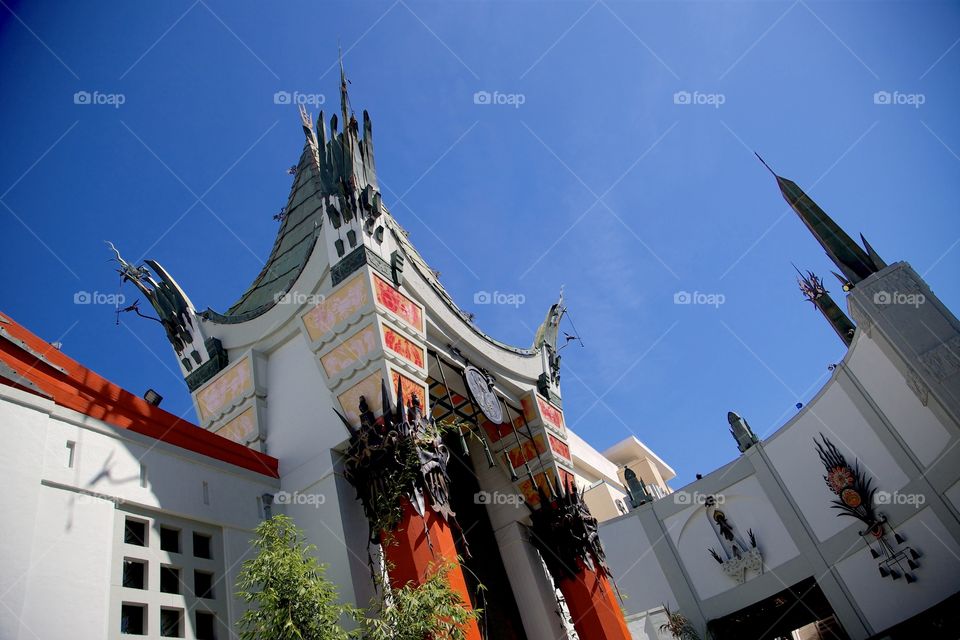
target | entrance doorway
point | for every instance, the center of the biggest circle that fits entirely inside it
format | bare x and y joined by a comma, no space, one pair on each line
800,612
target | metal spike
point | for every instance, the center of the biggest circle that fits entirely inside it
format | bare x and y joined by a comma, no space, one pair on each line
873,553
346,423
491,462
883,572
400,407
385,401
910,578
898,538
914,553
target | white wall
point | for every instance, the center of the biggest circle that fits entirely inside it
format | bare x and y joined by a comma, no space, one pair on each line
301,424
792,453
886,602
916,424
57,533
631,558
746,506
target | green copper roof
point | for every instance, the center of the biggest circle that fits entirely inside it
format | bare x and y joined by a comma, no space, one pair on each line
335,178
293,246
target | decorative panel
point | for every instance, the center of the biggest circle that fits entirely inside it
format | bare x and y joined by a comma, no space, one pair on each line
336,308
398,304
226,390
353,353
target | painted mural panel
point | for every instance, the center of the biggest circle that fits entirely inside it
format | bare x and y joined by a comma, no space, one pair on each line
410,388
403,347
397,303
529,491
369,387
241,429
233,385
497,431
549,414
336,307
559,447
528,450
354,350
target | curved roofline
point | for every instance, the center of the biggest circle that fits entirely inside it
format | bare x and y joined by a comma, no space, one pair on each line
410,251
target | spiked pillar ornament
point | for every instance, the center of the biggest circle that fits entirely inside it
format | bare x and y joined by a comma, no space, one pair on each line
856,495
566,535
398,465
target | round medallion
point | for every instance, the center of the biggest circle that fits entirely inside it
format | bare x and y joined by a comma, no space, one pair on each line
851,498
483,395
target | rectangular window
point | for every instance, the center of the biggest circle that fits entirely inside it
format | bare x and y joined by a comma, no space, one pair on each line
169,579
135,532
143,475
134,574
206,492
170,539
133,619
206,626
203,584
171,623
201,546
71,450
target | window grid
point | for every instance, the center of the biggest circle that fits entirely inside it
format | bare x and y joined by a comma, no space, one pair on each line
167,579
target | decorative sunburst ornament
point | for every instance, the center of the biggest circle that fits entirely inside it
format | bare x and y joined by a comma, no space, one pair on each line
856,500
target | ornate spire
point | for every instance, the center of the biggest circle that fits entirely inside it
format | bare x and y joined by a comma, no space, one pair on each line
855,263
741,432
813,290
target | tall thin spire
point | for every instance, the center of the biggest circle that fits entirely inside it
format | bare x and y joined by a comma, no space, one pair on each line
855,263
813,290
344,99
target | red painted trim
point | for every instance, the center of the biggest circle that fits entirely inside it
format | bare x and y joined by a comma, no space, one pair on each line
593,606
412,558
82,390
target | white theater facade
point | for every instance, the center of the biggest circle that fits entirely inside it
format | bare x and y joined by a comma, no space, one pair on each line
125,520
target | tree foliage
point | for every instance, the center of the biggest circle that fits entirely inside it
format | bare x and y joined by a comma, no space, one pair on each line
290,598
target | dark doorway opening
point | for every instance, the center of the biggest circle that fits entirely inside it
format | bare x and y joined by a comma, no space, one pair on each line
501,618
802,608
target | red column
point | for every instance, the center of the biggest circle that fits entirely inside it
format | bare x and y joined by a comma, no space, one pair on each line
412,557
593,606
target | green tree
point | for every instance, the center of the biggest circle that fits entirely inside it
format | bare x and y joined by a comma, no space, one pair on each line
290,597
430,610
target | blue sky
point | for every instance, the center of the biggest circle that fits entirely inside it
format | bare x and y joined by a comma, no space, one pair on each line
598,181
